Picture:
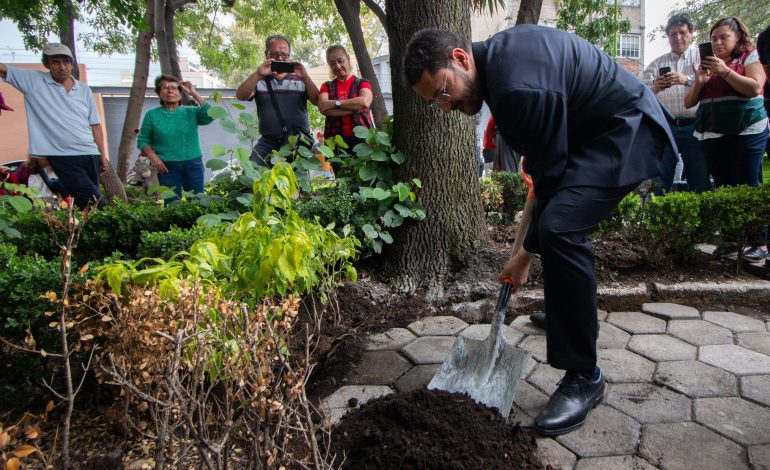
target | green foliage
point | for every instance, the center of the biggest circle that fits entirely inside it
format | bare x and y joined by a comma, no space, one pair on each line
13,206
492,200
514,192
112,229
704,13
674,223
267,252
596,21
169,243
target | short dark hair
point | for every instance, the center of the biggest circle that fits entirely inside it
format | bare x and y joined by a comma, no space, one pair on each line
276,37
169,78
47,63
678,20
763,46
737,26
429,50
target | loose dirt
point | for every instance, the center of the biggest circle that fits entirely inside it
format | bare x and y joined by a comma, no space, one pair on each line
431,430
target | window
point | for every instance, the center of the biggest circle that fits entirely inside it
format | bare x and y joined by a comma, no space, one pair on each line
629,46
626,3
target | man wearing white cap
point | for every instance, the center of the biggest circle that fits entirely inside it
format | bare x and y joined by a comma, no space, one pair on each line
63,123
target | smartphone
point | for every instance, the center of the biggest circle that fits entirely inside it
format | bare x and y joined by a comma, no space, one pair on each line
281,66
664,70
705,49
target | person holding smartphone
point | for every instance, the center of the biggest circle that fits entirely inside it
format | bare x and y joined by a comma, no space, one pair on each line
281,88
731,120
670,76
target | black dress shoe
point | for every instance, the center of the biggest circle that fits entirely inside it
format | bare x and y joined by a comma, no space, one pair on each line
754,253
538,319
578,393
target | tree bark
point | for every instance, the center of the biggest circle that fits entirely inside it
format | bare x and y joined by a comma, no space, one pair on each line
529,12
161,37
350,10
440,150
173,53
67,33
138,90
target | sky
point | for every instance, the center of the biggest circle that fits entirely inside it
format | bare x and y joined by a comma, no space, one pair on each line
105,70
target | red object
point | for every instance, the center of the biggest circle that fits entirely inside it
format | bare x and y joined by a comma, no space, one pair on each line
490,134
343,88
527,179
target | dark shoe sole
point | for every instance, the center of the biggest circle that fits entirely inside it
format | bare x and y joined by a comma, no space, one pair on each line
568,429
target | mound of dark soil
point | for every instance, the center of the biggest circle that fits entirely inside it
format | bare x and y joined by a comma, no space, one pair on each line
431,430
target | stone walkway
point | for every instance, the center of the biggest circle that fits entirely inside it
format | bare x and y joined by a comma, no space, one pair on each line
685,389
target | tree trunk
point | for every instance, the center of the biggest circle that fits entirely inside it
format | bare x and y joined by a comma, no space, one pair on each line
529,12
161,39
350,10
67,33
173,53
440,150
136,96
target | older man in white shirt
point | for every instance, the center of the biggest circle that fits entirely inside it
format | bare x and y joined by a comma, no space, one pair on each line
670,76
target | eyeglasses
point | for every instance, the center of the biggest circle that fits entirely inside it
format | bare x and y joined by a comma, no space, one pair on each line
278,55
442,98
170,86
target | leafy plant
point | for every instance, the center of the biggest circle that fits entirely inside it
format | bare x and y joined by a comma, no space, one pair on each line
18,201
514,192
492,200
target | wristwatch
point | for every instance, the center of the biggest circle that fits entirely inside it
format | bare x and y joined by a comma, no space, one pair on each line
337,104
690,79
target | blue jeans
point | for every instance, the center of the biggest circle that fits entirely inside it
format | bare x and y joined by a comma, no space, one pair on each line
737,159
187,175
695,166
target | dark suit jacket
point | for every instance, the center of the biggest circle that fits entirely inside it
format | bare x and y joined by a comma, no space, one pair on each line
578,117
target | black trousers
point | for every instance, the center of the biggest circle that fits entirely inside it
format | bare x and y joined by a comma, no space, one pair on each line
79,177
558,234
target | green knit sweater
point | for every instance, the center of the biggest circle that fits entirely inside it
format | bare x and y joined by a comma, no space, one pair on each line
173,134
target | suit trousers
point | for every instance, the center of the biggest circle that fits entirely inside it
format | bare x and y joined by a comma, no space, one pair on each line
559,234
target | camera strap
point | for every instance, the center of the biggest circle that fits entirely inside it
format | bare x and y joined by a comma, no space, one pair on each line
275,104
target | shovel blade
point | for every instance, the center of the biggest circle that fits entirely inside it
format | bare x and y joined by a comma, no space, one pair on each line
487,374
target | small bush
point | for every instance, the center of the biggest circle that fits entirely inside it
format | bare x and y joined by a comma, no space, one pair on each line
492,200
514,192
167,244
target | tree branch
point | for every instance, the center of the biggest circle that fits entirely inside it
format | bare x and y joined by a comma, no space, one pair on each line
378,11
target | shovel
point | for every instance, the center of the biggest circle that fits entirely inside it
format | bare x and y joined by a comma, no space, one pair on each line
488,371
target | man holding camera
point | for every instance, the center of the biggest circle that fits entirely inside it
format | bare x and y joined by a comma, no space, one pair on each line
670,76
280,88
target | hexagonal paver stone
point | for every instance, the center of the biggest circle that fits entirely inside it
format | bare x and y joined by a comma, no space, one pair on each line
668,311
523,324
756,388
759,456
611,337
662,348
756,341
606,432
546,378
429,349
734,322
529,399
637,322
696,379
417,377
620,365
391,340
736,418
378,368
338,403
438,326
735,359
537,345
614,463
648,403
480,332
688,445
700,332
554,454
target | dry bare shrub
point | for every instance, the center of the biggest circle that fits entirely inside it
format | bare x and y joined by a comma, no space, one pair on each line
211,381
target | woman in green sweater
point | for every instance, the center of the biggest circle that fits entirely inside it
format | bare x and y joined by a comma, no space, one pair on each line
169,136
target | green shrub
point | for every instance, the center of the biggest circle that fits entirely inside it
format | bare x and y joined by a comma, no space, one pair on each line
169,243
514,192
492,200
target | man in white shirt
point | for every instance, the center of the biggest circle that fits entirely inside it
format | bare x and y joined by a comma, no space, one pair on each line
63,123
670,76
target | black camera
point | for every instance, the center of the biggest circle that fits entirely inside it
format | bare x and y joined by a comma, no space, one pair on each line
281,66
664,70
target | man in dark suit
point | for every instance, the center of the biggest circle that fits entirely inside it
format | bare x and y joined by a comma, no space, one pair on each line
591,132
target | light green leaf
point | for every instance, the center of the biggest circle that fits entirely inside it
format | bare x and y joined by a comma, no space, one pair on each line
237,105
218,150
20,203
370,231
217,112
215,164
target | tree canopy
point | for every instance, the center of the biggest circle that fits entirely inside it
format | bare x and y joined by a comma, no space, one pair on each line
755,13
596,21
